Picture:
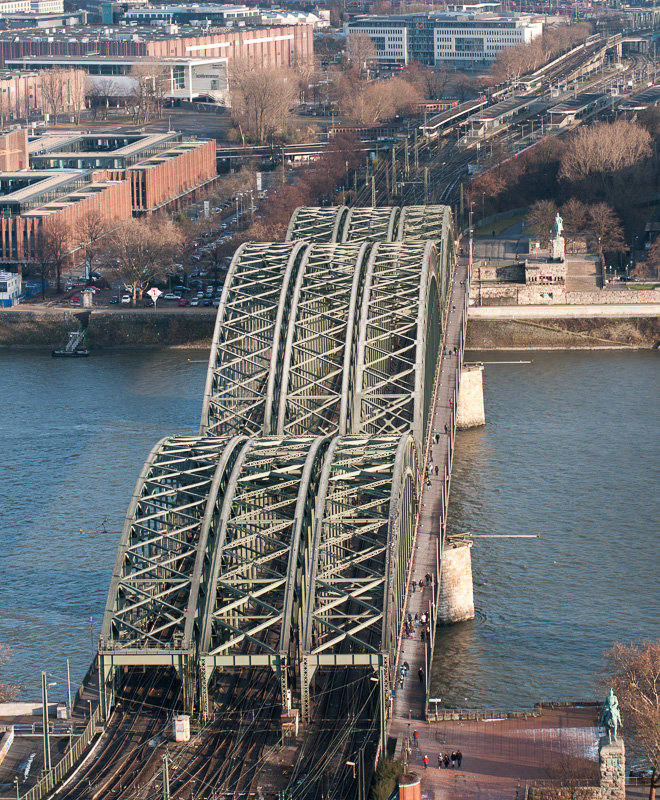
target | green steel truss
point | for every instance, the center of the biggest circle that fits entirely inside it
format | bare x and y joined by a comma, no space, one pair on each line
252,313
319,362
265,541
314,224
371,224
366,508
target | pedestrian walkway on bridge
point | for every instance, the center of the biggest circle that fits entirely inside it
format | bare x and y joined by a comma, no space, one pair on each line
417,649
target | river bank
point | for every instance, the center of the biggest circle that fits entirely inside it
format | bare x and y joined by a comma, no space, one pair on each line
164,327
560,333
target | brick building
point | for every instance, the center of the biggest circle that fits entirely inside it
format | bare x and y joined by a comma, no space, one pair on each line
112,175
21,92
279,46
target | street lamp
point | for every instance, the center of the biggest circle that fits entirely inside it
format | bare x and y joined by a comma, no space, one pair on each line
44,697
483,200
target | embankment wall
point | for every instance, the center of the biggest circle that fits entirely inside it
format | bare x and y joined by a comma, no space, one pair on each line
139,328
563,334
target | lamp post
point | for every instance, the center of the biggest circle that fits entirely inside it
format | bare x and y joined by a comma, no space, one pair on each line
483,201
44,697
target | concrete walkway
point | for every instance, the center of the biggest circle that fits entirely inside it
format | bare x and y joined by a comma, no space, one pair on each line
409,699
567,312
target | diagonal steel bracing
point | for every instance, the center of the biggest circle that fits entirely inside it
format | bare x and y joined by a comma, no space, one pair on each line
319,362
371,225
244,354
359,553
314,224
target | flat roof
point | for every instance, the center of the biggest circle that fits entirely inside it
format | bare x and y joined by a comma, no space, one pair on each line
96,58
40,181
577,104
83,192
649,97
506,107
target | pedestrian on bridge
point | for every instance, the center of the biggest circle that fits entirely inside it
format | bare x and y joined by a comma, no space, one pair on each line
446,761
420,675
459,758
439,760
426,762
406,667
437,469
416,738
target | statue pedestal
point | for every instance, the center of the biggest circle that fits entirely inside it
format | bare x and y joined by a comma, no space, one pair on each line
612,759
557,248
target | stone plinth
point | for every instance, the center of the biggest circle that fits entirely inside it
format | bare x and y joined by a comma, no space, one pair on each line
612,769
470,406
557,248
456,601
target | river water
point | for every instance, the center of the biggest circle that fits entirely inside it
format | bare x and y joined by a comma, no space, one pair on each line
570,450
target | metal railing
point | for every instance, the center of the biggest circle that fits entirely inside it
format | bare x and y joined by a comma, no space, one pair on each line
67,763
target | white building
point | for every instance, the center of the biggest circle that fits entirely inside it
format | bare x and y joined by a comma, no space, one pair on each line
10,288
435,38
280,16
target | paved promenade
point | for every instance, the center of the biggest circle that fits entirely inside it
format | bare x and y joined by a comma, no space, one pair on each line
500,756
409,700
566,312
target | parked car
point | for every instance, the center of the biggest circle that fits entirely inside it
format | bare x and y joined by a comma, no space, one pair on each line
194,301
147,302
206,302
171,296
183,302
114,300
126,299
216,302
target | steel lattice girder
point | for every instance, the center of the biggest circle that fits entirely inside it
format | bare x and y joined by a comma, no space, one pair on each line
362,540
371,225
431,223
253,602
244,361
400,314
316,224
318,374
153,594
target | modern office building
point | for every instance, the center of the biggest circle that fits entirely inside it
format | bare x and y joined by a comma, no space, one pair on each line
195,14
434,38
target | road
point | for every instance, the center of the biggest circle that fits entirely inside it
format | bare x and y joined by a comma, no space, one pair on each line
566,312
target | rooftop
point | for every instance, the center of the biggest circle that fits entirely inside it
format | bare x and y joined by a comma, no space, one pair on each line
577,104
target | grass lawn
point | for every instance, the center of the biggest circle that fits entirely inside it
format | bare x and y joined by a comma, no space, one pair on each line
641,286
499,225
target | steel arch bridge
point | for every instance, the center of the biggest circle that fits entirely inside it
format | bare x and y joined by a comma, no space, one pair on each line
281,536
332,337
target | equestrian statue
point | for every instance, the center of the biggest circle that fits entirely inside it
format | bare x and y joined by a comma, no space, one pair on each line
610,717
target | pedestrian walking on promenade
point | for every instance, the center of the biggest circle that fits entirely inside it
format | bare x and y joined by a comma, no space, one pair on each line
426,762
437,469
422,634
453,759
416,738
459,758
424,619
420,675
446,428
421,584
416,620
401,682
414,586
439,760
406,666
446,761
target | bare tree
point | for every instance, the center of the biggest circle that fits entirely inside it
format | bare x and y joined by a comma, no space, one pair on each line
633,671
541,217
142,250
53,92
91,229
54,243
77,94
8,690
651,267
150,85
606,226
605,148
100,94
361,50
576,218
261,98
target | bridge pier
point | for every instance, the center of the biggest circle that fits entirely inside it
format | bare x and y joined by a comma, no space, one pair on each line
470,408
456,598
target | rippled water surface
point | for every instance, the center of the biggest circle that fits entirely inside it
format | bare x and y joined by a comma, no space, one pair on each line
74,436
571,450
